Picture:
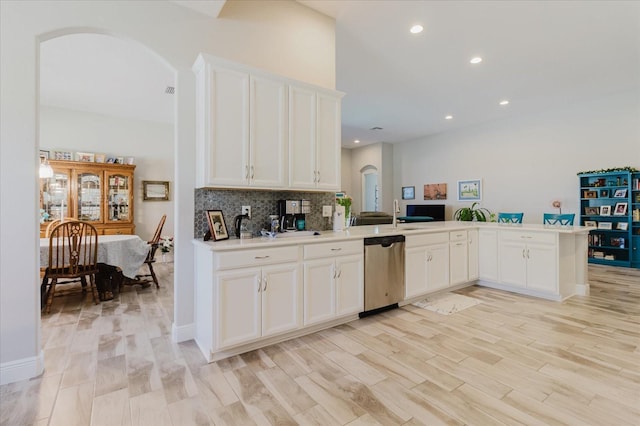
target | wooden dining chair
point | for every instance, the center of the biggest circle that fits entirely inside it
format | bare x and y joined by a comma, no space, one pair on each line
73,256
558,219
510,217
154,243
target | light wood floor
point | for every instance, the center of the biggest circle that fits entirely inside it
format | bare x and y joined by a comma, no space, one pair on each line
509,360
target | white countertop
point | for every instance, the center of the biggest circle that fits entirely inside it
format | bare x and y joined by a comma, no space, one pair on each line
361,232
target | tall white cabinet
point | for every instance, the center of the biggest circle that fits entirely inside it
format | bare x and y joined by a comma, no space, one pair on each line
259,130
314,125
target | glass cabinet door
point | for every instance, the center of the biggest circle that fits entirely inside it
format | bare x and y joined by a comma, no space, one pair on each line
54,196
119,195
89,200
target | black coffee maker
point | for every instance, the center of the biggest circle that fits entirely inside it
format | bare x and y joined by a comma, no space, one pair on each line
292,214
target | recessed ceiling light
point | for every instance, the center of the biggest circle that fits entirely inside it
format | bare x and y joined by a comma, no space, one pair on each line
416,29
505,102
356,141
476,60
449,117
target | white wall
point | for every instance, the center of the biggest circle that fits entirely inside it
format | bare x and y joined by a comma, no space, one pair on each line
527,162
380,156
345,178
282,37
151,143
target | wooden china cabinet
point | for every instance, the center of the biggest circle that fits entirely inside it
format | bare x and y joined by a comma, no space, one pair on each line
99,193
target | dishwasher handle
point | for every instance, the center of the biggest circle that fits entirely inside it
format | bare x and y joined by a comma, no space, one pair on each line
384,241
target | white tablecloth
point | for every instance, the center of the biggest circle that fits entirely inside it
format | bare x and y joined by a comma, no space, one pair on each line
126,251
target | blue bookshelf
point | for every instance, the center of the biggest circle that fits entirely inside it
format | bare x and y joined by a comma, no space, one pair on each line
611,202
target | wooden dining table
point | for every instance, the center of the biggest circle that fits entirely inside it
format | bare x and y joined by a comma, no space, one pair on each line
125,251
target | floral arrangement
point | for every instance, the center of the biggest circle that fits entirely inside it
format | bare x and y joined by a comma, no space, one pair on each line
166,244
346,203
557,204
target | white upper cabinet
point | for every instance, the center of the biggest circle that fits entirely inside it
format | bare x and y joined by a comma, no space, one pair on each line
302,137
222,121
314,139
267,133
259,130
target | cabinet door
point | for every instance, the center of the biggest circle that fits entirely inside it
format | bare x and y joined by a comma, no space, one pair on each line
458,262
488,255
541,267
119,190
281,288
513,263
302,138
267,133
437,266
227,123
472,244
328,143
349,285
89,200
319,291
238,307
55,199
415,275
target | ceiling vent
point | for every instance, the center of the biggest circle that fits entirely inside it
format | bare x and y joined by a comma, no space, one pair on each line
170,90
376,128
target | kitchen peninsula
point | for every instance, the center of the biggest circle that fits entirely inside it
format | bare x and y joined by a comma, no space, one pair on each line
256,292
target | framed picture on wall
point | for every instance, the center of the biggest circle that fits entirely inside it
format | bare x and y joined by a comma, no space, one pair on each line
153,190
408,192
470,190
435,191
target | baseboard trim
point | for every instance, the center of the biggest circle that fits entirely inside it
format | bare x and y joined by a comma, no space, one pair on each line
583,289
21,369
183,333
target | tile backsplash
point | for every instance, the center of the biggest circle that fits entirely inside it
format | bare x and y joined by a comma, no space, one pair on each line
263,203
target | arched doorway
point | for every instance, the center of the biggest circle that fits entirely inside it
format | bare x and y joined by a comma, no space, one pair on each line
370,189
100,93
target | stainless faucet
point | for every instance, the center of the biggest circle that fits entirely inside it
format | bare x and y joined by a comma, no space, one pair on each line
396,210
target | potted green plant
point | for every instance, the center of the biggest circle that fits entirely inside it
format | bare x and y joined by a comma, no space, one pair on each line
469,214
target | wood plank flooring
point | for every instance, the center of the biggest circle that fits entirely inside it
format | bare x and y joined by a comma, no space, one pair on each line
509,360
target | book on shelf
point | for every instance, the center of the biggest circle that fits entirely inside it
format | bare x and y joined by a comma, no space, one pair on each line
609,257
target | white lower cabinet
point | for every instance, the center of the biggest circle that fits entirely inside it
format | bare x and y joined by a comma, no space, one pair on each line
488,255
333,281
473,249
458,258
426,263
529,260
256,302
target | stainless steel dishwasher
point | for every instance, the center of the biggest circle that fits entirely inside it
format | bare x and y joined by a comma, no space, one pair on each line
383,273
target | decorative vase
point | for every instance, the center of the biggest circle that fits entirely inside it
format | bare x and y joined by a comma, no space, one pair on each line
347,220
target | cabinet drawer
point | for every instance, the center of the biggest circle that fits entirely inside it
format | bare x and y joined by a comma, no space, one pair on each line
117,231
316,251
457,235
528,237
258,257
425,240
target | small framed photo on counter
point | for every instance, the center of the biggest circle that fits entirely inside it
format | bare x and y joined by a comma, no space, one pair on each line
217,227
